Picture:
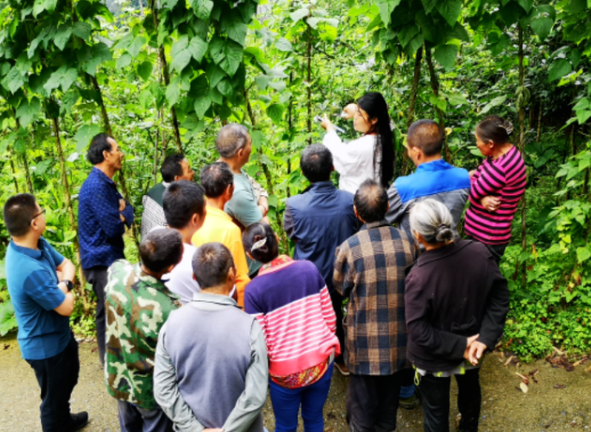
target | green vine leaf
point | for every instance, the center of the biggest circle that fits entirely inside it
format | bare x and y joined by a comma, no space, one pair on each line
81,30
62,36
202,8
446,55
542,27
558,69
28,111
64,77
450,10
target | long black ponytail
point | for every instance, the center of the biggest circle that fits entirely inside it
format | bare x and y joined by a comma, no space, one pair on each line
374,104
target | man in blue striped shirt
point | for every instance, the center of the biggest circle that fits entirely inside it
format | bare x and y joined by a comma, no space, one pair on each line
103,215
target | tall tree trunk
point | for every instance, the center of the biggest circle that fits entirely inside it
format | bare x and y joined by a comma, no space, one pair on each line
309,78
101,101
13,168
435,88
70,208
166,75
412,103
522,149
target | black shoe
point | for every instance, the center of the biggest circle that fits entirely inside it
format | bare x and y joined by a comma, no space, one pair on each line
77,421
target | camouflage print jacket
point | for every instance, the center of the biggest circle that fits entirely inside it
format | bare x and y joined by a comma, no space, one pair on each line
137,306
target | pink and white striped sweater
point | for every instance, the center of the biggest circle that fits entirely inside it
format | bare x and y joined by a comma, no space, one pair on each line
293,306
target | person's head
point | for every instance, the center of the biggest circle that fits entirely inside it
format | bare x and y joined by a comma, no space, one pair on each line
161,250
372,117
234,143
104,150
424,141
217,180
214,269
371,202
260,242
492,132
316,163
175,167
184,205
431,223
23,216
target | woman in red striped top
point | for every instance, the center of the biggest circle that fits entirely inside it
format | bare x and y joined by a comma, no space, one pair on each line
497,186
291,302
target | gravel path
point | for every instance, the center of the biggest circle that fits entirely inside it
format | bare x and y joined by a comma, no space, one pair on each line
547,406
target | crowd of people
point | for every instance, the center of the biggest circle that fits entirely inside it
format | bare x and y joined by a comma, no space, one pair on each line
213,317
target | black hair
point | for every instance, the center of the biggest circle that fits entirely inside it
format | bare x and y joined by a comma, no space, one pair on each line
230,139
316,163
182,199
171,167
160,249
98,145
19,212
426,135
494,128
257,232
216,178
211,264
375,106
371,201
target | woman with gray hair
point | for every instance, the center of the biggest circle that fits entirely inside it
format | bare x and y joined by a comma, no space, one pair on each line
456,304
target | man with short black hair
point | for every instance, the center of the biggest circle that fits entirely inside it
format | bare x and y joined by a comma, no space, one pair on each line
218,181
103,215
184,208
138,304
434,178
175,167
318,220
216,377
43,305
369,270
235,146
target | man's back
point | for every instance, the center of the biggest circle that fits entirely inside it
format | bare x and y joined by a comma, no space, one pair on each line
153,214
319,220
436,180
137,305
211,365
370,271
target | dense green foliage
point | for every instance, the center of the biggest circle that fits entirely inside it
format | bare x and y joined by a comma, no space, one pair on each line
163,75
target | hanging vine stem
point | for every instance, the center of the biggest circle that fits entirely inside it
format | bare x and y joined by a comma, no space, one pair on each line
25,161
413,101
166,75
521,149
309,77
435,87
266,170
12,167
69,206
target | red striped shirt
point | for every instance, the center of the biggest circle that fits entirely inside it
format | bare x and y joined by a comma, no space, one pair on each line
504,177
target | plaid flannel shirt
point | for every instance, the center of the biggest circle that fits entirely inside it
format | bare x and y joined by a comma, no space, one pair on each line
370,272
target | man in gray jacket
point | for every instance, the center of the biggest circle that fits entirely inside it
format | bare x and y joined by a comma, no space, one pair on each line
211,367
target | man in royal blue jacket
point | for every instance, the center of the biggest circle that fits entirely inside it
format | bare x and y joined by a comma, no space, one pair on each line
318,221
102,217
434,178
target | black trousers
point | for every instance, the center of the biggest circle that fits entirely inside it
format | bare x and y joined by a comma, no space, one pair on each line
337,305
372,401
57,376
435,398
497,251
97,277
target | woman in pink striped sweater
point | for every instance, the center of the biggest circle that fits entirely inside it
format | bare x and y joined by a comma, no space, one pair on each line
497,186
291,302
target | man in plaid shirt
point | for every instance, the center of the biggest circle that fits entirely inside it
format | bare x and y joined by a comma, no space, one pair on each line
370,272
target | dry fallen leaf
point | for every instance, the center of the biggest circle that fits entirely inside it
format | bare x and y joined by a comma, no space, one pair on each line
523,387
523,378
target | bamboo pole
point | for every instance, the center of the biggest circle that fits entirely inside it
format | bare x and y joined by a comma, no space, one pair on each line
522,149
70,209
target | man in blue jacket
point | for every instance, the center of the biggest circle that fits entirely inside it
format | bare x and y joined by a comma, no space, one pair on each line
318,220
434,178
103,215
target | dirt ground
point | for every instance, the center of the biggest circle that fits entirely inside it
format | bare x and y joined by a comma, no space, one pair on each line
560,401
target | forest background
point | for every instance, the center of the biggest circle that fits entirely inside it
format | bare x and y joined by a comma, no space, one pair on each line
163,76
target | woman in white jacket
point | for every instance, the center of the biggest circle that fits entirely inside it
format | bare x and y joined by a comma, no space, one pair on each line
371,155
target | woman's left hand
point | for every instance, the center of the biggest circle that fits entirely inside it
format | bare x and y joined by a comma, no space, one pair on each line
491,203
327,124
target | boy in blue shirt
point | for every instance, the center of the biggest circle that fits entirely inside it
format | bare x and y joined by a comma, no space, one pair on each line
43,305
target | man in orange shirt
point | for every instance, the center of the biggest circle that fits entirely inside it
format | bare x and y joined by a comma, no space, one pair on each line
217,180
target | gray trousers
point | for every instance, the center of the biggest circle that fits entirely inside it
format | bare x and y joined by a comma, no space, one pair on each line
135,419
